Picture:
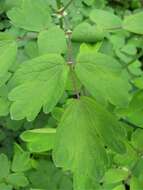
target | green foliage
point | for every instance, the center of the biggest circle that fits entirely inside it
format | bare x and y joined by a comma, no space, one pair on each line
52,41
30,16
102,75
84,32
71,95
39,140
105,19
30,79
133,22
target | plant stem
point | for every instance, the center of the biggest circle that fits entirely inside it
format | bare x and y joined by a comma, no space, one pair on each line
59,6
67,5
68,32
70,62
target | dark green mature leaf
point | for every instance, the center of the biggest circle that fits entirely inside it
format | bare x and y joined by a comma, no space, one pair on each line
21,160
78,144
46,176
104,78
39,140
39,82
4,106
105,19
17,180
133,23
134,111
32,15
85,32
4,165
4,102
4,186
137,140
52,41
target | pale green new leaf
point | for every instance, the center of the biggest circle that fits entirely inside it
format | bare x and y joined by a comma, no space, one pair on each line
8,51
119,187
90,47
133,23
39,140
114,175
105,19
79,141
39,82
85,32
52,41
104,78
33,15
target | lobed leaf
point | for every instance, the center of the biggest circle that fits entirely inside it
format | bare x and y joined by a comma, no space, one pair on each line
104,78
79,141
39,82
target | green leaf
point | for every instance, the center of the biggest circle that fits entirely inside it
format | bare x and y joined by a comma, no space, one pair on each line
17,180
13,3
105,19
4,165
31,49
21,160
4,102
4,186
127,159
30,16
90,47
135,184
102,75
134,111
39,140
4,106
8,51
52,41
137,139
138,82
119,187
46,176
133,23
115,175
41,80
57,113
85,32
79,141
